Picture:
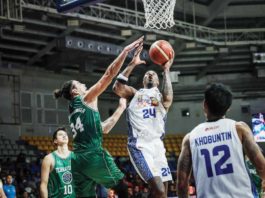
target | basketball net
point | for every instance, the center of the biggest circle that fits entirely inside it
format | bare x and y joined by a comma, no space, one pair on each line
159,14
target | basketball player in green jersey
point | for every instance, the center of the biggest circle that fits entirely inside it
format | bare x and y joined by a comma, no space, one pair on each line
56,173
255,178
91,164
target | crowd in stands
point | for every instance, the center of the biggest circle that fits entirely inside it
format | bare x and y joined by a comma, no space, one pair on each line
24,176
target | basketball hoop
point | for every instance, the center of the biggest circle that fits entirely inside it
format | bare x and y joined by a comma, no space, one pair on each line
159,14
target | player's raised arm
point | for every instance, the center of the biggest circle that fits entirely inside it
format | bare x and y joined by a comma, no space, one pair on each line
167,90
251,149
111,72
108,124
45,171
184,168
120,87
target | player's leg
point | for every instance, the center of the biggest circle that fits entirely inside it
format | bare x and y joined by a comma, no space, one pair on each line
157,188
104,171
83,185
143,162
166,187
160,161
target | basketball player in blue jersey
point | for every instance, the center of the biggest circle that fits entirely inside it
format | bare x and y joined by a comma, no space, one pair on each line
146,115
214,151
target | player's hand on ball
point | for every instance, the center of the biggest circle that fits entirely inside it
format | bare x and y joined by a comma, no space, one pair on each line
169,63
123,103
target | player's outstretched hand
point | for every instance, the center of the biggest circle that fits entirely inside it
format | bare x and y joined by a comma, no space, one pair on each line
136,57
134,44
169,63
123,103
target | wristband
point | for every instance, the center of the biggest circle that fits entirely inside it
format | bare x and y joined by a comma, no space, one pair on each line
122,79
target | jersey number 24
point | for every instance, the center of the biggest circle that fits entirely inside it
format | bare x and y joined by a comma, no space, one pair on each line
148,113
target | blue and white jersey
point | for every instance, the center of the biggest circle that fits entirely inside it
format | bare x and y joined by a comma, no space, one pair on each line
146,115
218,161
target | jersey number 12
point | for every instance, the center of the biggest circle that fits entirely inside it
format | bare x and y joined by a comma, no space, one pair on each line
221,166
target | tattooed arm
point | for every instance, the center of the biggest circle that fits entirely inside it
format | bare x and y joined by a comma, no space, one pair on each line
184,168
251,149
167,90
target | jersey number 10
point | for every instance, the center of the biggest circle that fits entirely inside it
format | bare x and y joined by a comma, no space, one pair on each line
68,190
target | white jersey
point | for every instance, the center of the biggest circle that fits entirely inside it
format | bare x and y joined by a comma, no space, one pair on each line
218,163
146,115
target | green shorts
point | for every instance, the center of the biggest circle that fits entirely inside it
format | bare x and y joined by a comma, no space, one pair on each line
94,167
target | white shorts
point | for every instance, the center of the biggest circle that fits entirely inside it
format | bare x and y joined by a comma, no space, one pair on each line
149,159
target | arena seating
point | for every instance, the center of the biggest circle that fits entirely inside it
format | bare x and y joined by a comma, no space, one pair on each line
43,143
11,149
115,144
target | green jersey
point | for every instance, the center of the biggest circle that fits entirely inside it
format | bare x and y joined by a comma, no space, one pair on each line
91,163
256,180
60,178
85,123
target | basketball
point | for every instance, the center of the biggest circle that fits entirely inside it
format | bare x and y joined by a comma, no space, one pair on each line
160,52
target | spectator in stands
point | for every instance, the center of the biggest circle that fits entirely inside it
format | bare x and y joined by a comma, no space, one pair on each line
92,164
9,188
192,190
214,151
56,171
145,193
172,191
129,176
36,181
28,193
136,192
130,192
102,192
25,194
111,193
139,182
146,116
2,193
